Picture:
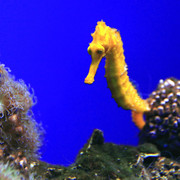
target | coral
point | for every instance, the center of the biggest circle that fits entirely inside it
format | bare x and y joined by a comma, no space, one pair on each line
163,121
19,133
9,173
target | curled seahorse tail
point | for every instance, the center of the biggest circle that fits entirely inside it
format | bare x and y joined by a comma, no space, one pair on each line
137,118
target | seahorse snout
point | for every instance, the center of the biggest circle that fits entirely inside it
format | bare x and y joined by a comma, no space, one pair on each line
89,80
92,70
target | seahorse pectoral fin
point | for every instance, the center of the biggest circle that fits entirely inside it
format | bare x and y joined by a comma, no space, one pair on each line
92,71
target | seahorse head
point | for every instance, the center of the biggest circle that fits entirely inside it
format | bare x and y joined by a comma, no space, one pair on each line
104,38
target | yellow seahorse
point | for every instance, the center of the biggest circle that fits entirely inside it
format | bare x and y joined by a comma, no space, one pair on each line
107,43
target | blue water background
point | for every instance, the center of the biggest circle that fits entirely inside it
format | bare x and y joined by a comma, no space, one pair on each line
45,43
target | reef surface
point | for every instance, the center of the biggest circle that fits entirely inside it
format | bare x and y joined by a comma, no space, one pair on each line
98,160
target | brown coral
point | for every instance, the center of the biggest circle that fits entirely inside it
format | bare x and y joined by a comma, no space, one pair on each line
19,133
163,121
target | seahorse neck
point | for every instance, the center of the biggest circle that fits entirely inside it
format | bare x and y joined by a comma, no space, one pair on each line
115,61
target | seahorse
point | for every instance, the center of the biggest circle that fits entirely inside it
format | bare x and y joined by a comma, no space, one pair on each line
107,43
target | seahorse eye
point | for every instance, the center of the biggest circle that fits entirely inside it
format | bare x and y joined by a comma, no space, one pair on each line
89,51
99,51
